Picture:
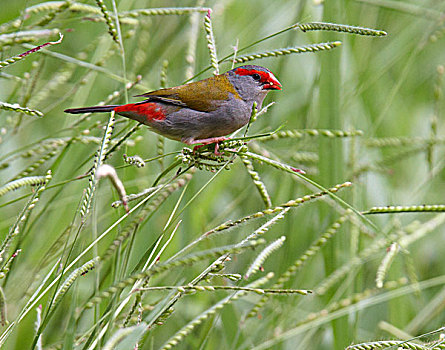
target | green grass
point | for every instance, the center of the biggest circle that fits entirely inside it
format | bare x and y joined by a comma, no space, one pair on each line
238,251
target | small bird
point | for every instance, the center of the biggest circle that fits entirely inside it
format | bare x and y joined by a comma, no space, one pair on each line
202,112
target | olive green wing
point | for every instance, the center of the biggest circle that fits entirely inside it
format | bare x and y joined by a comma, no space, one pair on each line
204,95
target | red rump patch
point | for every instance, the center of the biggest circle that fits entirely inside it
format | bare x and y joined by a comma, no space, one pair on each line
150,110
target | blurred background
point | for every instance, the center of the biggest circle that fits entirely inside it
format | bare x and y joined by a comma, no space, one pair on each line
377,107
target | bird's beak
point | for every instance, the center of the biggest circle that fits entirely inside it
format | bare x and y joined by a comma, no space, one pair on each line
272,84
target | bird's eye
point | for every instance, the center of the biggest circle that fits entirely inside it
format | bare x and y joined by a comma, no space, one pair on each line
256,77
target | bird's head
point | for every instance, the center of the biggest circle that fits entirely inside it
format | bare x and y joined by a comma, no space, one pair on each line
253,82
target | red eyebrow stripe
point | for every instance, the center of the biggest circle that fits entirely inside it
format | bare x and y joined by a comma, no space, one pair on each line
242,71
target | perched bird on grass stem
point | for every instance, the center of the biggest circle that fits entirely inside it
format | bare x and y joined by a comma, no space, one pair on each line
201,112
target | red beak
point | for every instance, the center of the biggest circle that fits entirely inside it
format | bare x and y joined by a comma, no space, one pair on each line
272,83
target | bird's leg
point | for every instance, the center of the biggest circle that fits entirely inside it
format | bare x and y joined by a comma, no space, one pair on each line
204,142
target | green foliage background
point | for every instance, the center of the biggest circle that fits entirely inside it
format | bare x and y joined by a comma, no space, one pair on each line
389,87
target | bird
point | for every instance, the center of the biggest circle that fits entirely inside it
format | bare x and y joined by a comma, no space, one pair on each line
202,112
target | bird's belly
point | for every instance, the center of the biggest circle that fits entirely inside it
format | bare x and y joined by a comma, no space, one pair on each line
188,124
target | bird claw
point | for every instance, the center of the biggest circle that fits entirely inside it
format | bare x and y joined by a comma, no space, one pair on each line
216,152
206,142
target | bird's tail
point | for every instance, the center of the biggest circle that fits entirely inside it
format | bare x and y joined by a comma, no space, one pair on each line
95,109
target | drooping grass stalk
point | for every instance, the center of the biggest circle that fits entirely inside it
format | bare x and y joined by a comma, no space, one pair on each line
47,19
424,208
119,308
301,261
261,187
25,181
192,258
401,141
49,145
287,168
97,163
286,51
15,229
393,344
30,304
177,11
75,7
342,28
160,145
11,77
386,264
192,42
151,261
230,56
353,300
40,293
17,108
146,192
187,329
11,25
260,291
60,293
405,237
360,306
218,264
23,55
211,45
50,6
261,230
31,168
234,277
259,260
290,204
300,133
111,26
63,289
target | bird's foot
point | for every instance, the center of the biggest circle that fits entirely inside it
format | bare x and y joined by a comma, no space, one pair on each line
209,141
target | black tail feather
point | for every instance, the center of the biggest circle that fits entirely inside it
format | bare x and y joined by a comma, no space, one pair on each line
95,109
